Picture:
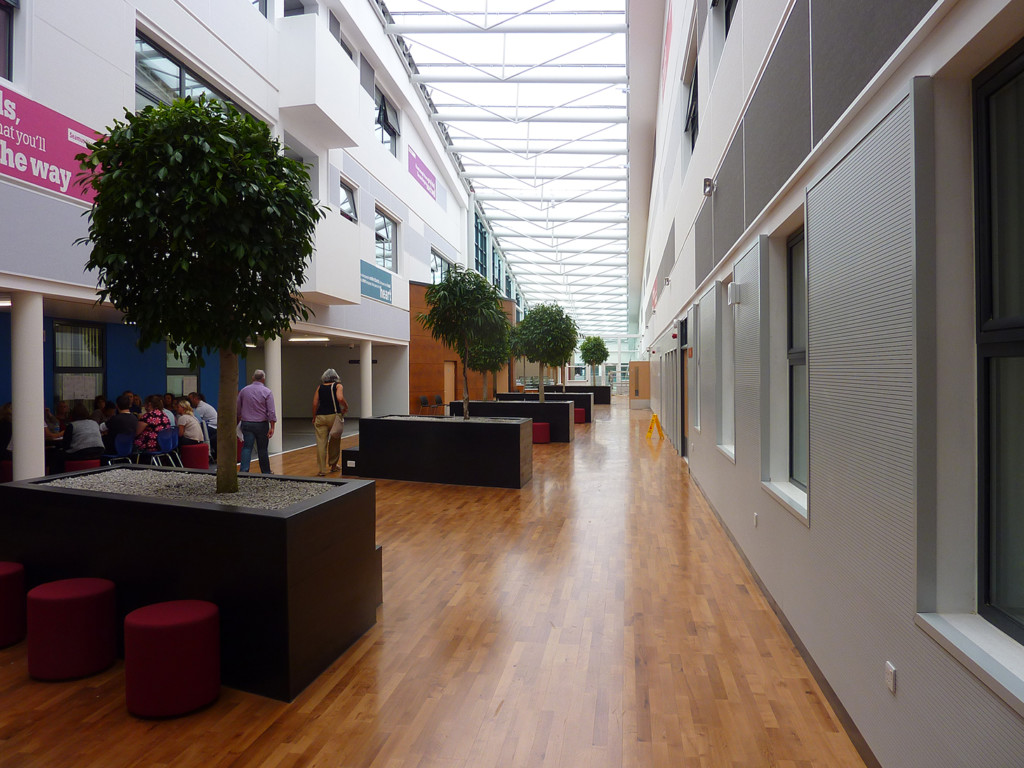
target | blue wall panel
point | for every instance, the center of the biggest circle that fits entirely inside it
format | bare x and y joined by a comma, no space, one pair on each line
144,373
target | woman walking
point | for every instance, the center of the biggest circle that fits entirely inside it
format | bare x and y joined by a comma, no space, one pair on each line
329,409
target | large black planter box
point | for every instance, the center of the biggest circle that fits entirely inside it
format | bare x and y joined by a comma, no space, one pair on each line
584,400
295,586
602,393
558,414
442,449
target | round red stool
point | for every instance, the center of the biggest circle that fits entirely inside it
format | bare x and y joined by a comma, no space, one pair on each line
195,456
579,415
73,466
12,603
541,432
72,628
171,657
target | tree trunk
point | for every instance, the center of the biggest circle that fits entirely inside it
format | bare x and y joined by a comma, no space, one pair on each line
540,383
494,383
465,385
485,385
227,440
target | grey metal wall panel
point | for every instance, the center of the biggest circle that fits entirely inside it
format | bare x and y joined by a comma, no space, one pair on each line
728,199
703,238
708,366
46,250
777,123
849,44
668,260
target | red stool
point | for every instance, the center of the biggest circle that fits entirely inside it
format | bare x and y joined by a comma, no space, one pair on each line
72,628
171,657
579,415
12,603
195,456
73,466
6,471
541,432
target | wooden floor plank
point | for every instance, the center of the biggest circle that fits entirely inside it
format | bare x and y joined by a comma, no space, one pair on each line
598,617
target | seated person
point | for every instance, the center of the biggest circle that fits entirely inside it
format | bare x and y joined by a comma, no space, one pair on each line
122,422
98,404
82,439
203,410
189,431
151,421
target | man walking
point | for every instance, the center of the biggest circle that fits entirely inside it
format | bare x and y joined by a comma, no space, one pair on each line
257,418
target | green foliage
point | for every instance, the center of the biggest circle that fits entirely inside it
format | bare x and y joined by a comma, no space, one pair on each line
547,335
200,232
464,310
491,354
201,229
593,350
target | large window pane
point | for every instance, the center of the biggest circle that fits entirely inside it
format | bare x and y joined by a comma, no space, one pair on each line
797,355
386,232
157,76
348,202
77,362
1006,169
1006,485
798,425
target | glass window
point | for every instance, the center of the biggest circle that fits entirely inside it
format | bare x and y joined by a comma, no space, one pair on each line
480,251
335,26
181,379
348,202
496,267
386,121
726,358
730,11
386,230
260,5
160,78
78,357
999,179
797,355
6,40
508,284
692,123
439,267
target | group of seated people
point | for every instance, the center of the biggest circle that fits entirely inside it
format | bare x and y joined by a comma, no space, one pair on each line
78,434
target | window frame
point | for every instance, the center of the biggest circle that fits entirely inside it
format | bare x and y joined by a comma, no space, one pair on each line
691,118
348,197
184,73
480,241
725,362
386,120
796,356
60,370
439,266
380,258
7,62
996,338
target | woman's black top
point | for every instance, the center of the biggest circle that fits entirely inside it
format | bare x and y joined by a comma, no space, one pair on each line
327,403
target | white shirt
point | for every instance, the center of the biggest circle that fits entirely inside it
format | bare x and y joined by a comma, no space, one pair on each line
206,412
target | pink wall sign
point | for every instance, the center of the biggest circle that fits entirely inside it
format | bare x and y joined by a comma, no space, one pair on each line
422,174
38,145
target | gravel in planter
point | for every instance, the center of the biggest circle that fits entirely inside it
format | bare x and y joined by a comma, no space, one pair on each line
258,492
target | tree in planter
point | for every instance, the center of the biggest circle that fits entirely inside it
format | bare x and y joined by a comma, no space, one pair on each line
515,348
464,309
593,352
490,355
548,336
201,230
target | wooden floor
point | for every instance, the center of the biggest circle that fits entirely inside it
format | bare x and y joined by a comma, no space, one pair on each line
597,618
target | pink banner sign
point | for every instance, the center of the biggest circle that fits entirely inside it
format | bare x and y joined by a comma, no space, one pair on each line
38,146
422,174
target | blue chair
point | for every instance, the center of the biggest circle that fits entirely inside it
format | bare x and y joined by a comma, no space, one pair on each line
123,447
167,443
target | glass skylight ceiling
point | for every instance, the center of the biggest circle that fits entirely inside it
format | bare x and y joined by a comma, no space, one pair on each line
533,95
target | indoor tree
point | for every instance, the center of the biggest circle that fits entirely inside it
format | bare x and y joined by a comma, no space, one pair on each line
547,336
201,230
593,352
490,355
463,309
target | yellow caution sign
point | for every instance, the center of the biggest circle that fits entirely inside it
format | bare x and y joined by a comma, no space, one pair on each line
655,424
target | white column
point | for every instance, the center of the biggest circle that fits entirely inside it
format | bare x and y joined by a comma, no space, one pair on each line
272,366
27,385
366,379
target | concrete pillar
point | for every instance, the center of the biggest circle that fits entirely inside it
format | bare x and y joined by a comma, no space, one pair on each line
366,378
27,385
272,366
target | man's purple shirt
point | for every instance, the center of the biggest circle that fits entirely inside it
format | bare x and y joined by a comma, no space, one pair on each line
256,403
